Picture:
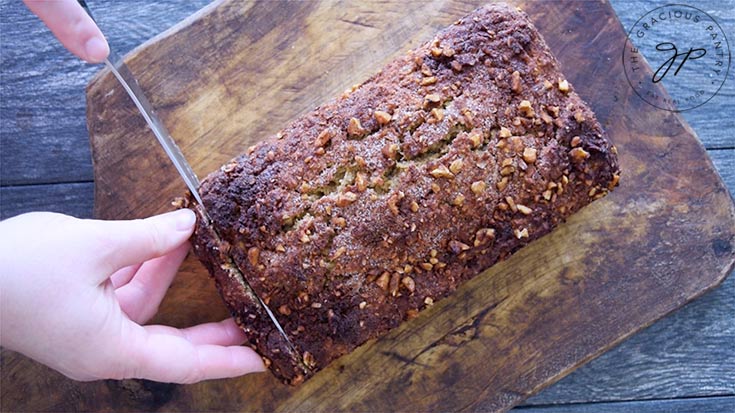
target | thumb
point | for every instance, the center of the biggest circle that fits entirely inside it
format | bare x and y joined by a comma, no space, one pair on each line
119,244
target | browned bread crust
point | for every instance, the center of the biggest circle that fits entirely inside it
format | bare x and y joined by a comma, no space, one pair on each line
372,207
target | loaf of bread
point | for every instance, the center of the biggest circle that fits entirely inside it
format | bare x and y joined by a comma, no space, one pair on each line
376,205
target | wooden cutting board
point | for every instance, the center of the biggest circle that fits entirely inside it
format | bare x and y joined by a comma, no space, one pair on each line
234,73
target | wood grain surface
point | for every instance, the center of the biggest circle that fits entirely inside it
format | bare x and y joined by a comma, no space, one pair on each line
150,395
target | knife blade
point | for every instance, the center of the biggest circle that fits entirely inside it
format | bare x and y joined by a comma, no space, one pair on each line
123,74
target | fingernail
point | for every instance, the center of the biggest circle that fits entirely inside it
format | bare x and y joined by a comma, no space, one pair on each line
185,219
96,49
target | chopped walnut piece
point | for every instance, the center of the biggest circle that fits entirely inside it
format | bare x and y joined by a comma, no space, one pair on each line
579,154
360,182
515,82
409,283
575,141
511,203
592,192
305,238
433,98
578,116
339,221
516,143
354,128
458,200
476,139
506,162
362,305
521,234
504,132
524,209
526,109
554,110
426,266
429,301
438,114
478,187
442,171
546,118
284,310
547,194
309,360
435,187
484,236
456,166
529,156
393,203
229,167
448,52
390,150
383,280
428,81
382,117
414,206
508,170
345,199
548,85
436,51
563,85
458,246
614,181
280,248
456,66
502,184
253,254
324,137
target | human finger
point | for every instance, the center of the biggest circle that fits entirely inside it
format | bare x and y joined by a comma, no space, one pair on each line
142,295
124,275
73,27
221,333
173,359
118,244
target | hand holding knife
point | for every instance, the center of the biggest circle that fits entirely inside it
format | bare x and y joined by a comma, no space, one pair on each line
123,74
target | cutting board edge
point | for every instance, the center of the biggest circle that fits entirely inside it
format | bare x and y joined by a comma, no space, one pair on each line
104,72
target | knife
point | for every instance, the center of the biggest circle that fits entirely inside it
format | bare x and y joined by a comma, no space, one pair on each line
130,84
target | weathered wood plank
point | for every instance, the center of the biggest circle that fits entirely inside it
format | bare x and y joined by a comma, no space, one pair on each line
699,405
687,354
76,199
43,134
